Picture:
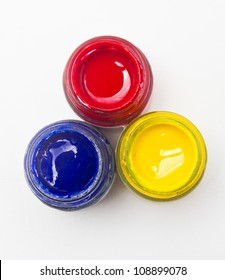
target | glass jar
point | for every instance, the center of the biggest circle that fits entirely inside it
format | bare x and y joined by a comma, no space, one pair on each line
69,165
107,81
161,156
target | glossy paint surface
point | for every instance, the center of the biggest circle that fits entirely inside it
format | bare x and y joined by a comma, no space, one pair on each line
106,77
66,164
161,156
69,165
107,81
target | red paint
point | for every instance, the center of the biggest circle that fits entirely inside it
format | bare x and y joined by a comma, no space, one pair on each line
107,81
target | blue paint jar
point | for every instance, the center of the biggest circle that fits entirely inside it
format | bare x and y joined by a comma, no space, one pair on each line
69,165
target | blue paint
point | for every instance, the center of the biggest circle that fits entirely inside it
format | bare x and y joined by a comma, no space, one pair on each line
69,165
66,164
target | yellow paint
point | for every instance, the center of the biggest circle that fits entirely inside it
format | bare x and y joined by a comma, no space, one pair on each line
161,155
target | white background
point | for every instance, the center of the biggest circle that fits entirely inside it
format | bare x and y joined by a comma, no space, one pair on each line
185,44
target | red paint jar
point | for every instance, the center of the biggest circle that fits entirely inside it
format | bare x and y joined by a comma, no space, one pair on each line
107,81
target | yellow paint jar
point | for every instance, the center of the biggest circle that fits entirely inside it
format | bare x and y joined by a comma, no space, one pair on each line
161,156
